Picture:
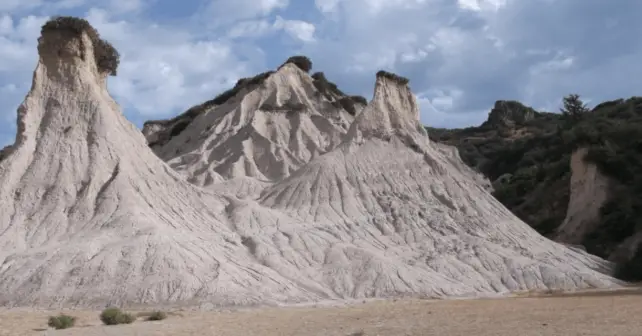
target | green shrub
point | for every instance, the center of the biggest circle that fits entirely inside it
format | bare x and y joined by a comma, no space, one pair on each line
302,62
126,318
179,127
106,56
348,105
61,321
184,119
324,86
113,316
537,155
240,84
394,77
359,100
157,316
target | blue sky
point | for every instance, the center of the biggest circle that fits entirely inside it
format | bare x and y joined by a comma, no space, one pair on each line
460,55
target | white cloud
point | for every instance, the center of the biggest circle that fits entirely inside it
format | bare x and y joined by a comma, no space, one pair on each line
297,29
481,5
6,25
250,28
415,56
460,55
364,62
222,12
433,116
165,69
122,6
13,5
17,45
301,30
561,62
16,6
376,6
66,4
488,50
441,100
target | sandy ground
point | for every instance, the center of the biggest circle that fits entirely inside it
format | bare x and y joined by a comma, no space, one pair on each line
600,314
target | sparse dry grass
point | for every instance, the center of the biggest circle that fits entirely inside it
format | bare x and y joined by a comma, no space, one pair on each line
591,314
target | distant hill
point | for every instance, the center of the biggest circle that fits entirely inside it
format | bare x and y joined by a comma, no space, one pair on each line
526,154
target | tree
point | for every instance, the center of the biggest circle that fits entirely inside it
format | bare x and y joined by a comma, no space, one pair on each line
574,108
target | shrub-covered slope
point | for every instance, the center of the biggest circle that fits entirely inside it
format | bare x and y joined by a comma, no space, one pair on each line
527,156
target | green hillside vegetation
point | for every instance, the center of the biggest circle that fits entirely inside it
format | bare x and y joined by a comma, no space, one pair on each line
527,156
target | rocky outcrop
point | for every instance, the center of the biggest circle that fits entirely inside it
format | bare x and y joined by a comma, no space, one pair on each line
302,62
392,111
509,113
267,130
160,132
338,99
90,216
388,178
589,191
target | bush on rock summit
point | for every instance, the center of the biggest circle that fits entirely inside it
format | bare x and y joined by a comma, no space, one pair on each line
106,56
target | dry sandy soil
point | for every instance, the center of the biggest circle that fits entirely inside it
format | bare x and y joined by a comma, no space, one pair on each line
596,314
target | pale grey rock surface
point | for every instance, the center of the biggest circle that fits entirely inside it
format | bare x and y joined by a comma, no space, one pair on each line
265,132
90,216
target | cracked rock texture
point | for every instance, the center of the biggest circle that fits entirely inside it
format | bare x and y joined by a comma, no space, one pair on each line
303,210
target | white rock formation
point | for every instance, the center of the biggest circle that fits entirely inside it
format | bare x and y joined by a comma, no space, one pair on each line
90,216
589,191
266,132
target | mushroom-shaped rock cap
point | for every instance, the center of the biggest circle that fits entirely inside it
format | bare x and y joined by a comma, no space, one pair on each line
392,111
302,62
66,36
72,59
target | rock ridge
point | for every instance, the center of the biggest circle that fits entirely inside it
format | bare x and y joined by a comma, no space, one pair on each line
393,111
509,113
301,210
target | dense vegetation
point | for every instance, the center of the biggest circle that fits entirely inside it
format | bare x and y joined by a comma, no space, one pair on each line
394,77
338,97
527,156
614,133
302,62
114,316
106,56
324,86
61,321
243,83
181,121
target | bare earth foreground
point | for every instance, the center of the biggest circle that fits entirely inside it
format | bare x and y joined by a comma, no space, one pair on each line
600,313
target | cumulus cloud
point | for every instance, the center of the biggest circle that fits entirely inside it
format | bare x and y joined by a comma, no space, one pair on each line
460,55
166,69
299,30
14,5
17,60
123,6
535,51
226,11
18,41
